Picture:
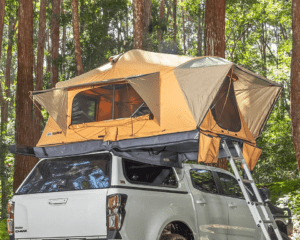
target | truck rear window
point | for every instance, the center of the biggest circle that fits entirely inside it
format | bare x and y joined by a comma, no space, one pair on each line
68,174
147,174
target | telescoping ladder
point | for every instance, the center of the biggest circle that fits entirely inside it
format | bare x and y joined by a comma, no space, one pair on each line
261,213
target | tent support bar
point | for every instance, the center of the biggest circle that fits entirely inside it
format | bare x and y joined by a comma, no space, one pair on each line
137,109
113,103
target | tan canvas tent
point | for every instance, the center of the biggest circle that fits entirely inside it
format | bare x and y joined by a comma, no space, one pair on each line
147,100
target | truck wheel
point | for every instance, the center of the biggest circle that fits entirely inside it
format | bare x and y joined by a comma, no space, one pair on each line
172,237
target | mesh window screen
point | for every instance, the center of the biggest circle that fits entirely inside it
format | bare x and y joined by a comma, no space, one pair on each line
69,174
224,108
83,109
106,103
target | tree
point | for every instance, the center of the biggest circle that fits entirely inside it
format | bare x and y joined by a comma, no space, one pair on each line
79,66
138,8
147,15
2,12
295,79
40,63
174,20
161,16
55,39
4,115
215,28
24,129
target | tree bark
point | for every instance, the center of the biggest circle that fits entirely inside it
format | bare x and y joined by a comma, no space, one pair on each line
215,28
147,15
2,13
63,47
174,20
12,24
39,75
4,118
183,30
48,58
75,18
138,8
200,31
82,23
161,16
55,39
24,121
263,45
295,79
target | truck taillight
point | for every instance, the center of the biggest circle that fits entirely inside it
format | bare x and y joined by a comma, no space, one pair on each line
116,211
10,218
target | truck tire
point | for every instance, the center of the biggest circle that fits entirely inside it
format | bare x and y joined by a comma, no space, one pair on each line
172,237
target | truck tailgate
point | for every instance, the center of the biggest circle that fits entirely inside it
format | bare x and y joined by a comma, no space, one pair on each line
67,214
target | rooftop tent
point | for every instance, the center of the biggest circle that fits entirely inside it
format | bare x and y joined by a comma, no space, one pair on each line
144,103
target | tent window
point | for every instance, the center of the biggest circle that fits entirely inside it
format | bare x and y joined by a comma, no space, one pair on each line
107,103
83,109
224,108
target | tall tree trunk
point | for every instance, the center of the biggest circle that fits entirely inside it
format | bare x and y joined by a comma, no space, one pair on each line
295,79
199,42
55,39
2,156
63,44
161,16
169,12
2,12
40,63
215,28
24,121
138,8
48,58
147,25
263,53
75,18
174,20
183,30
82,23
147,15
4,116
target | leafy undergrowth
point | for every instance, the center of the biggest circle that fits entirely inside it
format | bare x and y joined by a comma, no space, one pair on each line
286,194
280,189
3,233
292,200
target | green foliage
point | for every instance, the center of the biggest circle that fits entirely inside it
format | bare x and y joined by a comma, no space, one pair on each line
292,201
3,232
280,189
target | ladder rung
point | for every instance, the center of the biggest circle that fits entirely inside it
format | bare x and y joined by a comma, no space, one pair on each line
268,221
238,158
262,215
248,181
258,203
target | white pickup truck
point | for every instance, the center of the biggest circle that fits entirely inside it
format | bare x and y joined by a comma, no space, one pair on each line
102,196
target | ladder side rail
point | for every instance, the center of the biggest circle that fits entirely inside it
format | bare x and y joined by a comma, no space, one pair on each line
267,213
249,175
253,209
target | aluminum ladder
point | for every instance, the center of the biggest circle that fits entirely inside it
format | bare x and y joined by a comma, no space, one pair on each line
261,213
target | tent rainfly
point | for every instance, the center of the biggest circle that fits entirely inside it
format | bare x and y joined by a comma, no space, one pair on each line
157,108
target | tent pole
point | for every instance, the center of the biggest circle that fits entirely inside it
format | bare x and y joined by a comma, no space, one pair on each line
113,104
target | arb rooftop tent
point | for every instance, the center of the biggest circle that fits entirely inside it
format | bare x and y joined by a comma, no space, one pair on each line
157,108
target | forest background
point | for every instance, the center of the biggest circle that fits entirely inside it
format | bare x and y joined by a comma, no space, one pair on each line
70,37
